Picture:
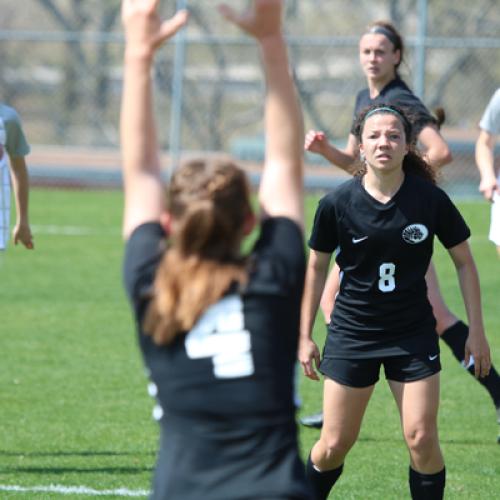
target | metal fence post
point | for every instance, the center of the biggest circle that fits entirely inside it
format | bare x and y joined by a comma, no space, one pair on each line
420,47
177,90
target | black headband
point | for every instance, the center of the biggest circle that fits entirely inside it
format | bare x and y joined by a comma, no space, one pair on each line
380,30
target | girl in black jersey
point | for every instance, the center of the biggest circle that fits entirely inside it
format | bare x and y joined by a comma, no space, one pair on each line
210,322
381,51
382,225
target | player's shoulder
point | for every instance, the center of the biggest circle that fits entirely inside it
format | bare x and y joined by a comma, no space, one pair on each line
495,99
341,194
399,94
8,113
424,189
421,183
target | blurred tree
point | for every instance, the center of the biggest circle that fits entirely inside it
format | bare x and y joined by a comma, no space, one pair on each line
75,17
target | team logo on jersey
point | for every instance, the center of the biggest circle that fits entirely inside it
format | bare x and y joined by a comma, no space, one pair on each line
415,233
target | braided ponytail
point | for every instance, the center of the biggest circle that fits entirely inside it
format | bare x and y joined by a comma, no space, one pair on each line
209,202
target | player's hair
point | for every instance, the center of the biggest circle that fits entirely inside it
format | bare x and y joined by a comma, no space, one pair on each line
413,161
391,33
440,115
209,201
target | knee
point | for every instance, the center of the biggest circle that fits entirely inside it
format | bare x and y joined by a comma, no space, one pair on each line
336,447
444,319
422,441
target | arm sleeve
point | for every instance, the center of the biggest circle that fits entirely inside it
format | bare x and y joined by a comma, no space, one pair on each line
421,117
143,251
490,121
451,228
324,237
278,258
16,143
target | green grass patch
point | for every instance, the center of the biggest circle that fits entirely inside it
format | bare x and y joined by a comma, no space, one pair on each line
74,409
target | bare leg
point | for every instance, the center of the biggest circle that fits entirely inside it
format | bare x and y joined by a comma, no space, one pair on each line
418,404
343,408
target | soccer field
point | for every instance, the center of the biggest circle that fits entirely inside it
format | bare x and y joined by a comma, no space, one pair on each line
75,417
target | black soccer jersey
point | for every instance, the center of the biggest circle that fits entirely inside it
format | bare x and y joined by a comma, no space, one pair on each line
383,251
396,93
226,387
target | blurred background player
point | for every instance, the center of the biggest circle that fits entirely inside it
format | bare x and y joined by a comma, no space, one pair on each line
13,149
485,160
381,52
211,322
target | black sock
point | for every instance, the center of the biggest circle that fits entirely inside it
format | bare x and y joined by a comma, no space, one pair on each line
427,486
321,483
455,337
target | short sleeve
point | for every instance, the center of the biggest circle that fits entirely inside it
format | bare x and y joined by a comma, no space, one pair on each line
451,228
324,237
362,100
16,143
490,121
278,258
143,252
421,116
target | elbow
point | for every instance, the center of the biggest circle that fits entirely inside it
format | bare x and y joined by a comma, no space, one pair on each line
440,157
445,156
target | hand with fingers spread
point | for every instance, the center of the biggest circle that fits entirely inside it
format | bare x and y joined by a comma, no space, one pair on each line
145,32
262,20
309,353
477,350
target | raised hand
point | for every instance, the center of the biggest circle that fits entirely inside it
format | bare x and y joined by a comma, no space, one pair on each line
316,142
144,30
261,20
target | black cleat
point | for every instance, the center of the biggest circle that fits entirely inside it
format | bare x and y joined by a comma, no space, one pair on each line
315,420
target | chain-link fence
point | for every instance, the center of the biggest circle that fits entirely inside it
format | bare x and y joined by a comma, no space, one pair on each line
62,70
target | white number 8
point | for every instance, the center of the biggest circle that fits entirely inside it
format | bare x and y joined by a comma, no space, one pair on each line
386,272
220,334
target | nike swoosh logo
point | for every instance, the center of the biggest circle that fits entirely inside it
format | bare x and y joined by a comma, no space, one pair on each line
359,240
432,358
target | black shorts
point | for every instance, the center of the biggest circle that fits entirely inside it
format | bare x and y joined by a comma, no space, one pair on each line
365,372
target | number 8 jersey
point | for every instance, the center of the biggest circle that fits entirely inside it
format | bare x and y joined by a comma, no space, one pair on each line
383,251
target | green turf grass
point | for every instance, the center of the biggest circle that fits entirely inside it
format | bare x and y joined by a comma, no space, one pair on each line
73,404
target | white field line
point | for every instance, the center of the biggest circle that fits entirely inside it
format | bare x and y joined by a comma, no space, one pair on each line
56,230
74,490
74,231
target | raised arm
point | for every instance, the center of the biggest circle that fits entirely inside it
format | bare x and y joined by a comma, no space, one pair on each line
144,34
281,186
485,146
346,159
20,183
